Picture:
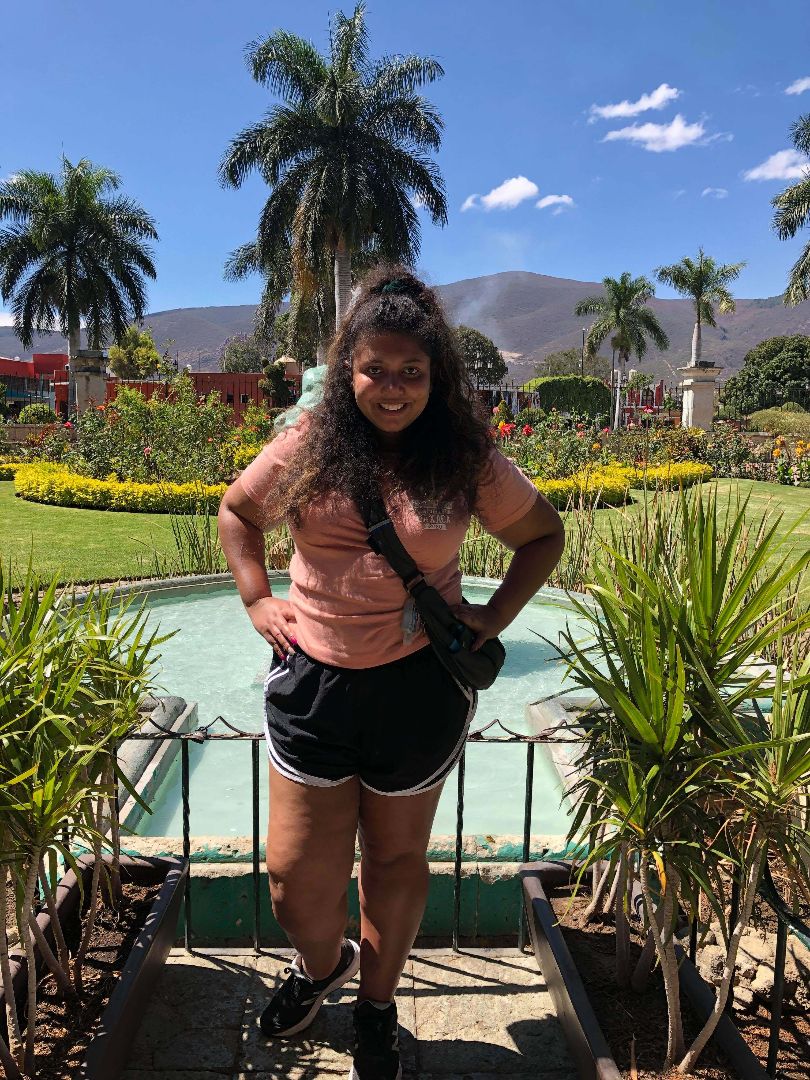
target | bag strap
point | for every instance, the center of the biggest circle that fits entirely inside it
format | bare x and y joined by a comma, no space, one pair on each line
383,540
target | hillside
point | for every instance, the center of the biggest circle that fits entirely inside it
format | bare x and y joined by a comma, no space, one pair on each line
527,315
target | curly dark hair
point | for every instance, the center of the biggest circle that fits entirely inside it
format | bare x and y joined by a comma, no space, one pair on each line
442,454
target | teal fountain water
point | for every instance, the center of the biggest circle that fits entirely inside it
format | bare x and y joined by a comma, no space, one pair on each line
218,660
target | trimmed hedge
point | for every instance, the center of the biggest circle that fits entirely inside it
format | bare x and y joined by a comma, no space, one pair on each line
54,484
610,485
672,475
8,469
575,394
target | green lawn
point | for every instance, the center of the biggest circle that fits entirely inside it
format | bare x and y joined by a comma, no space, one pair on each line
78,545
94,545
792,502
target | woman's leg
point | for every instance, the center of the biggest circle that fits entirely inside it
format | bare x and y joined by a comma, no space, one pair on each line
310,853
394,832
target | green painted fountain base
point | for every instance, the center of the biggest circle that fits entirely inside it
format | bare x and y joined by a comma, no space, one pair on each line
222,904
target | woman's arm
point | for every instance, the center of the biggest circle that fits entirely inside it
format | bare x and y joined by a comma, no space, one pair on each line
242,538
537,539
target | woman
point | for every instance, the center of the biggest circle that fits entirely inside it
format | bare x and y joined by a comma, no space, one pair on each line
363,722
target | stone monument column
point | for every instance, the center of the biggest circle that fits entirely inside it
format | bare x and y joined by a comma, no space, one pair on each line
91,378
698,382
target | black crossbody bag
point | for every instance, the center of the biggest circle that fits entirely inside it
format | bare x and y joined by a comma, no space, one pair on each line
451,639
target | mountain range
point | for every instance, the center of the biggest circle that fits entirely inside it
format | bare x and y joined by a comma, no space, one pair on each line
527,315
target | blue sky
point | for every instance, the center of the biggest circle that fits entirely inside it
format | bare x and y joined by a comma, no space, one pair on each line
155,90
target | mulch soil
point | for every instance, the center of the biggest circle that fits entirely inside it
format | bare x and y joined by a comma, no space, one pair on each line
639,1021
65,1029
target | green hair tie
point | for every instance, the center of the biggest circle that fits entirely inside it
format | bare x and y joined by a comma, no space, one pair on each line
395,286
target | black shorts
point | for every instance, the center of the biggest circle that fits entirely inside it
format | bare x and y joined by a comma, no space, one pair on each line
399,727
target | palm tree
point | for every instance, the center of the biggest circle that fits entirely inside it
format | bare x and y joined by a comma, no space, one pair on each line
73,253
622,314
346,157
707,284
793,213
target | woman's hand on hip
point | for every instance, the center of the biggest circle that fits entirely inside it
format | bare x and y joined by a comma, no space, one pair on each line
484,620
275,620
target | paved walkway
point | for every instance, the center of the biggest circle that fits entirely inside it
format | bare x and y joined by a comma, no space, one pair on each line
478,1014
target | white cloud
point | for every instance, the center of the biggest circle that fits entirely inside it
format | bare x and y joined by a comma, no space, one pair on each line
714,192
469,202
679,193
509,194
784,165
799,86
660,137
658,99
6,319
559,202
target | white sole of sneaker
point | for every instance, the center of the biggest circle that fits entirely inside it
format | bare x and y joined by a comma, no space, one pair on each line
350,971
353,1074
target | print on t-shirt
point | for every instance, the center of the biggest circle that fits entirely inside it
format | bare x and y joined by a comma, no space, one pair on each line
431,515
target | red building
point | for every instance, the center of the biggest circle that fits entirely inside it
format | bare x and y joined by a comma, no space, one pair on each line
31,381
236,389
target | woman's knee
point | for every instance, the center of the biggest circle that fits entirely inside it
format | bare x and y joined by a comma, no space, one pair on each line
400,860
301,892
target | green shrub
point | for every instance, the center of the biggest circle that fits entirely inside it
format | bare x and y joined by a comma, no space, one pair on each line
176,439
530,416
576,394
55,484
37,413
779,422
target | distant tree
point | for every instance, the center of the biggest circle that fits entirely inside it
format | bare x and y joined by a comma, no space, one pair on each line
3,408
622,314
569,362
274,384
774,372
707,285
343,152
134,355
74,253
640,380
296,334
481,355
793,212
244,352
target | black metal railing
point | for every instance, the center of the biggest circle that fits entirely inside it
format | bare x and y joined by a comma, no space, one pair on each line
203,734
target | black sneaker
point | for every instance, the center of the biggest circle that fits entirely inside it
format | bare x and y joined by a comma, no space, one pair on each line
294,1005
376,1043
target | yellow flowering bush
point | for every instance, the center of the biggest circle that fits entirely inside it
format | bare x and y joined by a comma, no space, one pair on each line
243,455
55,484
8,468
673,474
609,485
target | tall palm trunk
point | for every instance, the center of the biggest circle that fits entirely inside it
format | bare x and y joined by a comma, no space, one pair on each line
697,344
343,282
624,356
74,344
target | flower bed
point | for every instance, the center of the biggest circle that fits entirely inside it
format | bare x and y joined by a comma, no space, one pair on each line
54,484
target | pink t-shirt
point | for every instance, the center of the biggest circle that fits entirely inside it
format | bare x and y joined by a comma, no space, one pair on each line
347,600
